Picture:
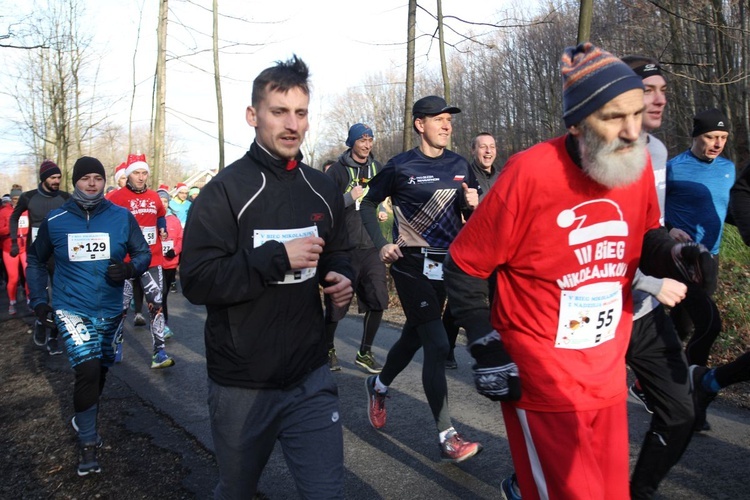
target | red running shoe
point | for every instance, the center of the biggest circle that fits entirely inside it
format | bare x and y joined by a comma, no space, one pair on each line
456,449
375,403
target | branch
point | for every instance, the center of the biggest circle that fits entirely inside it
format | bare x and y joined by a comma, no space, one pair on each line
23,47
697,20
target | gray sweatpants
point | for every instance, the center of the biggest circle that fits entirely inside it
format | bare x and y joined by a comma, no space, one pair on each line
245,424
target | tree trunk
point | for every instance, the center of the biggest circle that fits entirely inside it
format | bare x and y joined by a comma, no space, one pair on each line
161,91
217,83
443,63
409,94
584,21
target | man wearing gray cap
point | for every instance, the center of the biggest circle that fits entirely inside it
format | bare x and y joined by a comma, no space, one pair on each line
563,230
431,189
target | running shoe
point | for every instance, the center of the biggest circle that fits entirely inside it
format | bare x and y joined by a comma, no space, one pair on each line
701,397
456,449
99,442
640,396
12,309
509,488
367,361
40,334
450,361
173,287
88,462
168,334
375,403
139,320
333,361
161,360
53,346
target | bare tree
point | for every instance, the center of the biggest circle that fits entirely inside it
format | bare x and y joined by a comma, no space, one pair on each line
160,91
409,94
217,82
55,87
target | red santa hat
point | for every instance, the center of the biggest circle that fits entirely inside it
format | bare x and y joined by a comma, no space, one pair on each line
136,162
120,171
181,186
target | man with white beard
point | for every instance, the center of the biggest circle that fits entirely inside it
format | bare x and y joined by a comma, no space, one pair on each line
563,229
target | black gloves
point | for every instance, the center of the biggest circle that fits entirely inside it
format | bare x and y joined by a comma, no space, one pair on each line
14,248
495,373
696,265
44,314
120,271
170,254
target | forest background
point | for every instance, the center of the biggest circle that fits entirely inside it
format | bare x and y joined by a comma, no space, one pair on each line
502,70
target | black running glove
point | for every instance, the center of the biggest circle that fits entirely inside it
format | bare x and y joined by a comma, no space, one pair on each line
120,271
170,254
696,265
44,314
14,248
495,373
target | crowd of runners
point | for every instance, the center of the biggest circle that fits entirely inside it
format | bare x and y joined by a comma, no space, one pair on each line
576,257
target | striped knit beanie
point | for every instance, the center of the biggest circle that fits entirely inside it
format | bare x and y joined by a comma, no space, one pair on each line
591,78
48,168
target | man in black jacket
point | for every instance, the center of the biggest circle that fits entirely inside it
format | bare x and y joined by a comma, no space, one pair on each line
39,202
261,237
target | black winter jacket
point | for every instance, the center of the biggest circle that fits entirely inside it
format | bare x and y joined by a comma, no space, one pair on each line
260,334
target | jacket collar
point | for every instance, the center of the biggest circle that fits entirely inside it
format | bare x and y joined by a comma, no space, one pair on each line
277,166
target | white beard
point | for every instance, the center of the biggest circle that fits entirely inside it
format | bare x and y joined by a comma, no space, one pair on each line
606,164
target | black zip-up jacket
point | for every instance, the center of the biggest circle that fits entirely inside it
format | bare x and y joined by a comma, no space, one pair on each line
259,334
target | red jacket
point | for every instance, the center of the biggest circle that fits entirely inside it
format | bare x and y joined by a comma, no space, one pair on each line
23,228
174,240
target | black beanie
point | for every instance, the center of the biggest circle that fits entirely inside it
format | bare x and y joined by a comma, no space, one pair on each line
87,165
710,121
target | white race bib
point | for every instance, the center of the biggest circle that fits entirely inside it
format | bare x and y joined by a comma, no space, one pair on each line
261,236
433,269
166,246
149,233
589,316
84,247
23,222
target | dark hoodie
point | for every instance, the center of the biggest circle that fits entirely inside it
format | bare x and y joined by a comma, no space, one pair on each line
347,173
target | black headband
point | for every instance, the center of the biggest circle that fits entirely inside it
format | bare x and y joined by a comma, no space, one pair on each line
649,69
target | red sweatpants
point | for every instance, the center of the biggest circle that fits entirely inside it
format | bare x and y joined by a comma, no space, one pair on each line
11,267
570,455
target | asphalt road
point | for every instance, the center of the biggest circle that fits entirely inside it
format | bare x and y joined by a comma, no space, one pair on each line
402,460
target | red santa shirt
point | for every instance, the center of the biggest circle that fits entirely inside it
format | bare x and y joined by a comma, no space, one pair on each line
566,249
146,207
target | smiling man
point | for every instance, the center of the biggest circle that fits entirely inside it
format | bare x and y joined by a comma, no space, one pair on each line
431,189
352,173
484,154
260,239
